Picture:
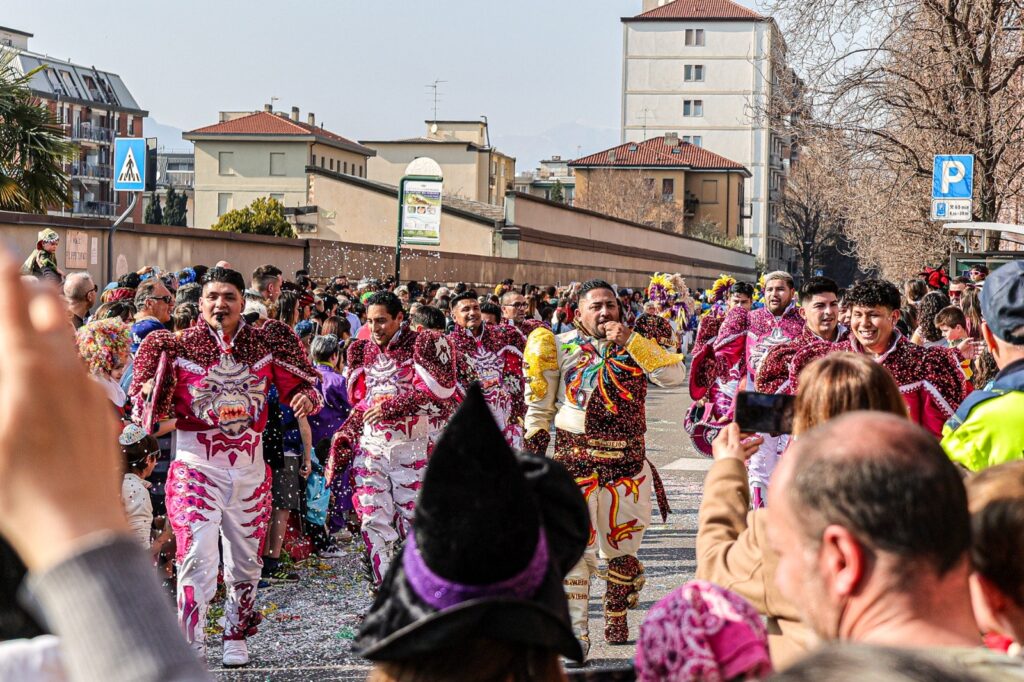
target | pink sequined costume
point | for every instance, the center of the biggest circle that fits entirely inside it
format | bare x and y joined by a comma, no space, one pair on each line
930,379
495,359
716,370
594,392
413,379
218,484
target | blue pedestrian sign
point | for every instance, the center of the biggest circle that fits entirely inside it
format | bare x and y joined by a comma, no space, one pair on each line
129,164
953,176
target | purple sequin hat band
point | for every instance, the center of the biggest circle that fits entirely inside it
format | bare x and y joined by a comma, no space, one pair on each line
442,593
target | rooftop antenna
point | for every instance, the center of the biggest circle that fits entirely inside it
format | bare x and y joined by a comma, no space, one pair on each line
434,86
272,100
644,113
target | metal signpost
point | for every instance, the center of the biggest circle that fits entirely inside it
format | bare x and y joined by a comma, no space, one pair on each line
953,187
419,207
129,176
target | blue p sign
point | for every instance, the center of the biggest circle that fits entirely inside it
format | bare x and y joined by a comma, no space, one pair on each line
953,177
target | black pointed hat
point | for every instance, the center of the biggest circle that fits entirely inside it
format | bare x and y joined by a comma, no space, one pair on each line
494,535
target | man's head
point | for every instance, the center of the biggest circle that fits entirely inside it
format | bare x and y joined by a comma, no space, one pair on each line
874,310
858,520
427,317
957,287
153,299
222,299
80,290
491,313
513,306
741,294
952,323
466,311
267,279
978,273
778,291
1002,309
384,315
819,305
597,307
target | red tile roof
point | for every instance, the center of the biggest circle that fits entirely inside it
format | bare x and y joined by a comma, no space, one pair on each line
698,9
654,153
266,123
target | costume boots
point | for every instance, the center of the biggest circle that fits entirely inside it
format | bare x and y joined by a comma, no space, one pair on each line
625,580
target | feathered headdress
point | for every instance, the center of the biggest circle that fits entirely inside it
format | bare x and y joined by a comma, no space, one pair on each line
720,289
661,288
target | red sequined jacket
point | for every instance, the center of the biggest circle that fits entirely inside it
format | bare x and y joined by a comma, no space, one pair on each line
210,385
767,331
930,379
773,374
495,359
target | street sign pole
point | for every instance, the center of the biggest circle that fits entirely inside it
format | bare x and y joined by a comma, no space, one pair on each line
113,231
130,161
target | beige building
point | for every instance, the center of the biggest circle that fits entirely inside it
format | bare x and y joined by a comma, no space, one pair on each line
701,185
473,169
248,155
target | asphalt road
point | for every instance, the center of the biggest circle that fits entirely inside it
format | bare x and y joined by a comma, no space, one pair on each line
308,627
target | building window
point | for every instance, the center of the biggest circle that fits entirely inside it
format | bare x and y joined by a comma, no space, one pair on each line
693,107
223,203
277,197
649,184
695,140
276,163
322,160
693,72
361,174
709,191
226,163
131,126
694,37
346,167
312,159
332,164
668,189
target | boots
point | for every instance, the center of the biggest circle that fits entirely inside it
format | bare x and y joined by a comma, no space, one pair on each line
577,593
625,580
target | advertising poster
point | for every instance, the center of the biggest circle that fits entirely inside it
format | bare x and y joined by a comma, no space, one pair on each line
421,212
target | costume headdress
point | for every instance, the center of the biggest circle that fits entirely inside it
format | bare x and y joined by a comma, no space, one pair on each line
936,277
719,291
102,342
493,538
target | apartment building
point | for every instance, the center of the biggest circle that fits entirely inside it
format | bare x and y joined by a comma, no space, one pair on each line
707,70
93,107
542,181
701,186
247,155
473,169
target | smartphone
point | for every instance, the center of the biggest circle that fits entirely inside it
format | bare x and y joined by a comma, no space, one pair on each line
765,412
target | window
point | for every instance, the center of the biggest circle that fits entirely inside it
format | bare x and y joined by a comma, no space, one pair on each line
361,174
668,189
332,164
346,167
693,107
223,203
709,191
693,72
322,159
312,159
694,37
277,197
695,140
649,184
277,163
131,125
226,163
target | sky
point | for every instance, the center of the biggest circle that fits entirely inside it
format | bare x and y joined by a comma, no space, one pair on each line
546,73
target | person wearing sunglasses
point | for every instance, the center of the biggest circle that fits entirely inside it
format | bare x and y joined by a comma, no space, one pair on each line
154,304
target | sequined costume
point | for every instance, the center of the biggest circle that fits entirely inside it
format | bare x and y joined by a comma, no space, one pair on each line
218,485
930,379
594,392
413,380
716,370
773,374
526,326
495,360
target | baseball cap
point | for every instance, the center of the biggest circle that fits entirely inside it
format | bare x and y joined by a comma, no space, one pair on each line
1002,302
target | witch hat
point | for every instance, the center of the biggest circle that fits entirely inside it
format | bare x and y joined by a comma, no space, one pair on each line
494,535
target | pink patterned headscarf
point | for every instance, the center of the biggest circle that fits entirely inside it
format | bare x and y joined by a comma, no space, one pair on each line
701,631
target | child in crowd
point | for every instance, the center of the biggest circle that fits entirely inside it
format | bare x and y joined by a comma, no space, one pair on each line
42,262
140,452
104,344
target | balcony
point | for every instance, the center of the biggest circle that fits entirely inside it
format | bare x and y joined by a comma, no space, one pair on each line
87,132
95,171
93,208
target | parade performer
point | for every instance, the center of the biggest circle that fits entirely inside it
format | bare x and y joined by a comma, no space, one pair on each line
514,307
718,302
672,297
715,374
401,384
491,355
930,379
214,379
592,384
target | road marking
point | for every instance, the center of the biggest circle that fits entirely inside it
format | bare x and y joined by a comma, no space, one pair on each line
688,464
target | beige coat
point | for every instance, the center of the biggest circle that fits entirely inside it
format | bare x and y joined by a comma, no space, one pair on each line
732,551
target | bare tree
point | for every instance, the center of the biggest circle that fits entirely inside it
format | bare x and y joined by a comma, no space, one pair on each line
899,81
630,195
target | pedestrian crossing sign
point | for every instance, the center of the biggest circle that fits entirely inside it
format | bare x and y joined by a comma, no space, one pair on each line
129,164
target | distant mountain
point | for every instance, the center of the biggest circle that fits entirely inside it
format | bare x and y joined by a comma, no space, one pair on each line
568,140
168,137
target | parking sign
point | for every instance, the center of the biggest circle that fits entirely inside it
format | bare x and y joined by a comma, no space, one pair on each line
953,187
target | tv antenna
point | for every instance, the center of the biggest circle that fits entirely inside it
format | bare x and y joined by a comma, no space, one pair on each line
645,113
272,100
435,87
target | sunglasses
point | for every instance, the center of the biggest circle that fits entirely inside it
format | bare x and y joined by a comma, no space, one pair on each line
166,299
517,305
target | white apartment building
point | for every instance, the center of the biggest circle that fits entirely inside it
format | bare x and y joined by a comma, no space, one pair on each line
702,69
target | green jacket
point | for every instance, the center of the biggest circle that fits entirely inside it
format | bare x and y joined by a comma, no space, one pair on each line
988,429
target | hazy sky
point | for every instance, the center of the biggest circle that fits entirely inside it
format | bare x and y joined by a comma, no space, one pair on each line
546,73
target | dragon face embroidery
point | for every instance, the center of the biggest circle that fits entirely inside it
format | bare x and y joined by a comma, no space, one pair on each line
230,396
